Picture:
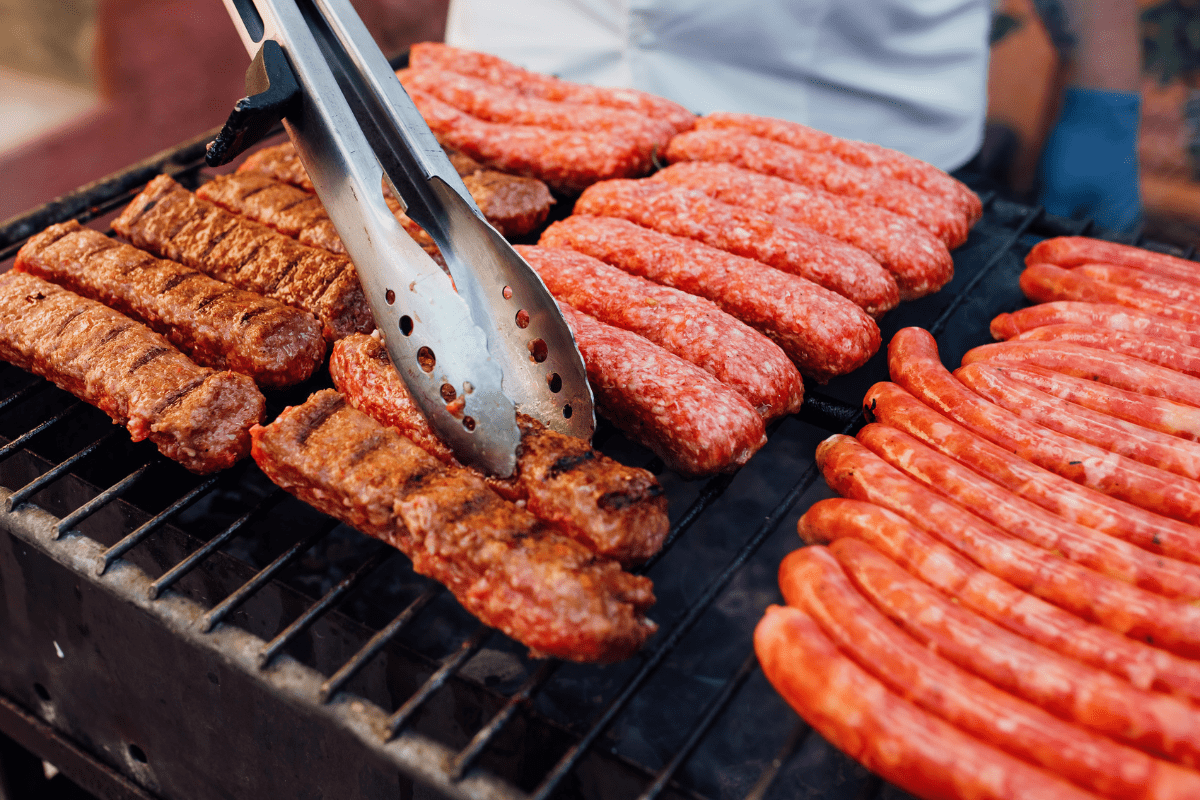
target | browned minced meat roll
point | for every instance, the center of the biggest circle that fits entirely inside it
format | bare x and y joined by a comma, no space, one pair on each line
216,324
617,511
173,223
506,567
293,211
195,415
514,204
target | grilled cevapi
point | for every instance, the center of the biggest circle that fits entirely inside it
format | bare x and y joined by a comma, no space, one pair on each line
618,512
173,223
505,566
197,416
216,324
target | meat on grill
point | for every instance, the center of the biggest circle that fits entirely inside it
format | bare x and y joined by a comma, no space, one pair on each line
618,512
506,567
515,205
197,416
173,223
214,323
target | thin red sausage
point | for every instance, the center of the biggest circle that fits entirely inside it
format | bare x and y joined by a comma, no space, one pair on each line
822,171
812,580
1173,289
914,364
1014,515
1103,315
905,745
854,471
1071,251
823,333
1157,449
690,327
891,405
917,259
1043,283
791,248
1163,352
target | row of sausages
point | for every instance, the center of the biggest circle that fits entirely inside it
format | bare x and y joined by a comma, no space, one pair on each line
1003,602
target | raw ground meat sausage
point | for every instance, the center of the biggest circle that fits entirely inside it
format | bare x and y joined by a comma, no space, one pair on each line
173,223
619,512
891,163
917,259
823,333
214,323
693,422
690,327
822,171
434,55
509,569
835,265
889,735
195,415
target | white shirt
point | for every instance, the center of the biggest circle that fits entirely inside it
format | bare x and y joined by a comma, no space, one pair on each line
908,74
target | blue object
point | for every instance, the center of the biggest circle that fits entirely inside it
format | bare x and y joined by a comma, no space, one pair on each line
1089,165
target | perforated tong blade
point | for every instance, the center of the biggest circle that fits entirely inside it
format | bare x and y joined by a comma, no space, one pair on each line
473,357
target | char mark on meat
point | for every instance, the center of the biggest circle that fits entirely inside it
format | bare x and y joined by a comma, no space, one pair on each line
148,356
176,397
329,406
568,463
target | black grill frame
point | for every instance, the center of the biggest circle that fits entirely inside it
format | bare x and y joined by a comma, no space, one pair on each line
386,747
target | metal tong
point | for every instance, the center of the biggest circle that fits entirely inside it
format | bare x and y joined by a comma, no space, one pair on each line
470,358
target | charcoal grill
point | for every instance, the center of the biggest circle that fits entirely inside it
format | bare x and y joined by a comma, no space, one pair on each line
169,636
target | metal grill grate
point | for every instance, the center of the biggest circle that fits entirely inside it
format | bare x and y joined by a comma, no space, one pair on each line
372,676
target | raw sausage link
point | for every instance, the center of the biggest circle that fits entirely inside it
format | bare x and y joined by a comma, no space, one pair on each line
619,512
434,55
694,423
1045,282
568,161
795,249
1173,289
1163,352
891,163
294,212
1154,413
823,333
822,171
1114,369
513,204
917,259
905,745
217,325
690,327
989,643
891,405
854,471
914,364
1102,315
194,415
545,590
1071,251
1156,449
493,103
812,580
173,223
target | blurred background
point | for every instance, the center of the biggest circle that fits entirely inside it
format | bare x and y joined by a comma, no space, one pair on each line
90,86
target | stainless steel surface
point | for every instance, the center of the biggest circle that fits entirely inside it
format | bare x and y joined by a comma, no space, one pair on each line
471,357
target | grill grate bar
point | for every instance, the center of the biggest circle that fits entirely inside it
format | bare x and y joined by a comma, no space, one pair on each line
18,442
243,593
794,742
203,552
360,659
711,492
479,742
572,757
23,392
711,715
1031,216
403,714
120,548
301,623
34,486
99,501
